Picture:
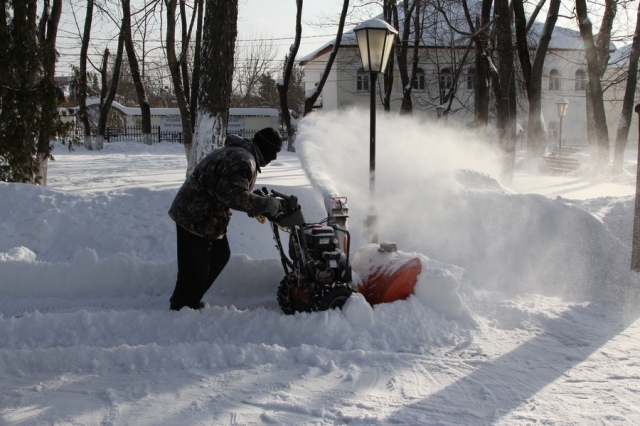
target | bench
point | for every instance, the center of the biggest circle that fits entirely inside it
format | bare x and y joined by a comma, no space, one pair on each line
561,164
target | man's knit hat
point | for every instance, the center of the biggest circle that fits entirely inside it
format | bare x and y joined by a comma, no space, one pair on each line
268,140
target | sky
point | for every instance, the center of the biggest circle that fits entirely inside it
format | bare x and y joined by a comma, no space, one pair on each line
525,311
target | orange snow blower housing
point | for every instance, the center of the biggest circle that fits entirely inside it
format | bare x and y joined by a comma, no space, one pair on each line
386,275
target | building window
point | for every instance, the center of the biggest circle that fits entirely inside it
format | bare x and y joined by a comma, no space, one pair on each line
418,81
581,81
362,81
554,80
446,81
471,79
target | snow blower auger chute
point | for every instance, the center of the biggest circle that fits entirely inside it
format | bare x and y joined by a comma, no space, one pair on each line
318,271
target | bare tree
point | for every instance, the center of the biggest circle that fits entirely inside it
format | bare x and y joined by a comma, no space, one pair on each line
135,72
254,58
177,71
505,90
315,94
216,78
195,77
108,93
390,15
283,86
627,105
597,57
83,113
485,70
411,15
48,33
532,72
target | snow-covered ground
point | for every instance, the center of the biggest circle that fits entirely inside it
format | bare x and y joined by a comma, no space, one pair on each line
537,322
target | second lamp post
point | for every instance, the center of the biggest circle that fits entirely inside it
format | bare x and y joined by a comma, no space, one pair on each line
375,40
562,105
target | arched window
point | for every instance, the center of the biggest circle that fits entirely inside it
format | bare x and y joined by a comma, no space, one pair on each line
446,81
362,81
581,80
418,81
554,80
471,79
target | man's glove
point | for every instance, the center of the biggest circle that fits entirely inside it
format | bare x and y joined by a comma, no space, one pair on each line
273,207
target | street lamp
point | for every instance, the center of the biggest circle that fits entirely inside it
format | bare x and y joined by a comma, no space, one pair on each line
375,40
562,105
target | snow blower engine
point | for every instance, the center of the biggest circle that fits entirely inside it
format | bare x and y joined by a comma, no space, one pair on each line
317,276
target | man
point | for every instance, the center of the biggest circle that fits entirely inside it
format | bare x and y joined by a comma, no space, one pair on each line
222,181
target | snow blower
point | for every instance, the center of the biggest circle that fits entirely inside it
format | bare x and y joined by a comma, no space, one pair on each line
318,272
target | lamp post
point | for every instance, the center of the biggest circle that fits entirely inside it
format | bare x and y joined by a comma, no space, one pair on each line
562,106
375,40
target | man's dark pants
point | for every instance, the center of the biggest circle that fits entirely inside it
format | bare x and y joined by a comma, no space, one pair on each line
200,261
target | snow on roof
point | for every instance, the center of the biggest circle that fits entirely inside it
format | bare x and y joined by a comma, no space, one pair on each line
620,58
440,34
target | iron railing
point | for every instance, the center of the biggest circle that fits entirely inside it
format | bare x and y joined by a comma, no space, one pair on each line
134,134
577,143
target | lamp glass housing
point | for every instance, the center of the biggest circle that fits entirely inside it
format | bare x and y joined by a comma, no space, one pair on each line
562,106
375,41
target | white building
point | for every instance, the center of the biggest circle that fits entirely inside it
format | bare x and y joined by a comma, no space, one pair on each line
441,57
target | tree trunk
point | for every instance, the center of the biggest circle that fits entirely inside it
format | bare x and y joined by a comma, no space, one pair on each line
506,101
176,77
313,97
184,46
402,52
82,78
283,89
50,103
532,73
104,89
593,71
145,110
628,100
218,48
480,38
106,98
389,12
195,76
412,13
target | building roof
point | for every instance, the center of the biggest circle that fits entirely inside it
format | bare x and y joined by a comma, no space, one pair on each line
440,35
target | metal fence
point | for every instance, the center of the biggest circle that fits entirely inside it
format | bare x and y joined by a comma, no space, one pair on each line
134,134
578,143
245,133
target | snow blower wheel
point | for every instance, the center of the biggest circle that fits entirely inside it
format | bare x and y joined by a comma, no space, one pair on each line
284,297
331,297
